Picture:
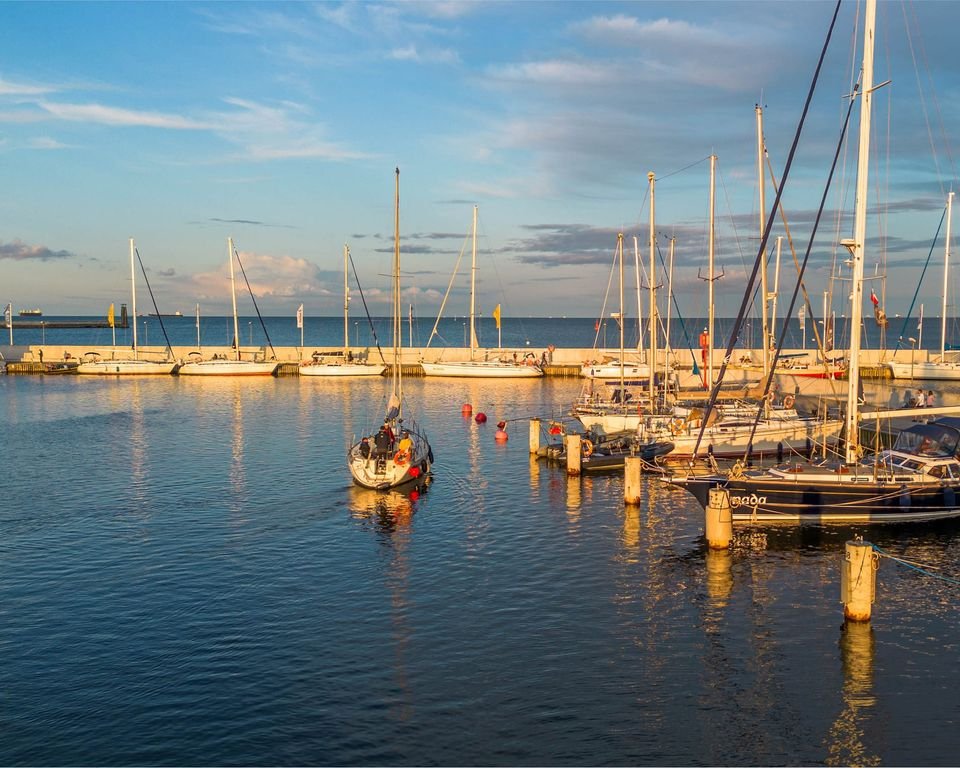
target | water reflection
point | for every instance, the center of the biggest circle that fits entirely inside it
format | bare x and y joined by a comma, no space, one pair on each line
719,567
845,745
391,511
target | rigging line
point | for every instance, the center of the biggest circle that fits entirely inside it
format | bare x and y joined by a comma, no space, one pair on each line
603,309
257,308
456,268
366,310
916,291
921,569
672,299
738,322
154,300
685,168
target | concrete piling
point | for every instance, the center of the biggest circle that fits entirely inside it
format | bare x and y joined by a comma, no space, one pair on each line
719,519
572,443
858,580
535,436
631,479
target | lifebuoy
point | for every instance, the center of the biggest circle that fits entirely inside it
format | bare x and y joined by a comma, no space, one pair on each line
400,458
676,426
586,448
788,401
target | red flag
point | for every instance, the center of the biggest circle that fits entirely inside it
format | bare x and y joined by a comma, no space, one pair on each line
596,326
874,299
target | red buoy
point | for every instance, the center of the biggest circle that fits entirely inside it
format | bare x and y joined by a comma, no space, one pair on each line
500,436
481,418
414,472
466,409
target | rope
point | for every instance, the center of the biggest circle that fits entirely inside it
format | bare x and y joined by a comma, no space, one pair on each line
924,569
255,306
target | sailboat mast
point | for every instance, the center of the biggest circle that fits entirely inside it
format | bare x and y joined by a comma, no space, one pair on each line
233,296
473,288
763,256
636,265
621,318
346,303
133,296
651,177
856,246
668,347
946,266
710,258
397,373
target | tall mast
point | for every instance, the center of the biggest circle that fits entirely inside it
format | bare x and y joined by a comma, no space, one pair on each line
668,347
397,373
711,242
856,245
346,303
473,288
233,296
946,265
621,318
651,178
636,260
763,256
133,296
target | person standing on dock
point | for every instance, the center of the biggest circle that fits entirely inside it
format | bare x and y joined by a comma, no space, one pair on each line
928,402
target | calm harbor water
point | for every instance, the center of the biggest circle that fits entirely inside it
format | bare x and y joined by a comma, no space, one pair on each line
187,576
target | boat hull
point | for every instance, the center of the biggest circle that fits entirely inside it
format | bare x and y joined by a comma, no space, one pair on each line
927,371
482,370
338,369
842,498
227,368
616,371
126,368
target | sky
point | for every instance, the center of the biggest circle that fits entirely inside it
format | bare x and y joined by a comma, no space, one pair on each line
181,124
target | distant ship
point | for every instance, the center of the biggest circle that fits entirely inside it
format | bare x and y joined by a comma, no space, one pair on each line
178,313
31,312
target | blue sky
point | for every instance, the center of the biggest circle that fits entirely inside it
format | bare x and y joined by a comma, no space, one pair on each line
280,124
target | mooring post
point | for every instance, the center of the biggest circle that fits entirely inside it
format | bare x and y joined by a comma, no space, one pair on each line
719,519
535,436
573,454
858,580
631,479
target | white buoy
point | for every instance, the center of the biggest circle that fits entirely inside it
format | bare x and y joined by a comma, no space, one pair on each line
631,479
858,580
572,443
535,436
719,519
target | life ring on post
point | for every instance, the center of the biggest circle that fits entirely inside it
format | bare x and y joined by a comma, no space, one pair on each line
400,458
788,401
586,448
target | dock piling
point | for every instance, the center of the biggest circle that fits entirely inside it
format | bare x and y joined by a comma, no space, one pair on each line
858,580
631,479
535,436
719,519
572,443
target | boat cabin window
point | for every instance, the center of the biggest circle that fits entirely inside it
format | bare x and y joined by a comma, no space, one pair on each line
928,440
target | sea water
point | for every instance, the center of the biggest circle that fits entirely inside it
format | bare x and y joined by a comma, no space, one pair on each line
188,576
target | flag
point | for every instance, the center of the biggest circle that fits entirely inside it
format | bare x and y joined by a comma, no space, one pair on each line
110,318
920,321
300,316
496,315
8,315
874,299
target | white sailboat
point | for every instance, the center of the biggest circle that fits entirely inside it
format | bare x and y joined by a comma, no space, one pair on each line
345,365
399,452
97,364
473,368
940,369
225,366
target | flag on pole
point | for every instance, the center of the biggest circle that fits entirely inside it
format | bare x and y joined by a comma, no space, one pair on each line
110,317
300,316
8,315
920,321
496,315
874,299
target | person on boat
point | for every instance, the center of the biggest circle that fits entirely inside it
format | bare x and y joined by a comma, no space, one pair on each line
365,448
382,440
405,446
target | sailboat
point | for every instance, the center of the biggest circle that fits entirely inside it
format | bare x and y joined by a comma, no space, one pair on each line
223,365
399,452
346,365
96,364
940,369
500,369
917,479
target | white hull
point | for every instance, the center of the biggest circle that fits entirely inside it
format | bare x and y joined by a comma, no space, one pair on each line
227,368
126,368
613,371
931,371
480,369
341,369
382,472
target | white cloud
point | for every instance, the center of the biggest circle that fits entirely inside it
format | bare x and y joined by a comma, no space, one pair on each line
557,72
19,89
104,115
